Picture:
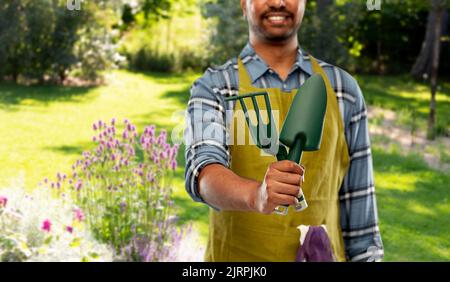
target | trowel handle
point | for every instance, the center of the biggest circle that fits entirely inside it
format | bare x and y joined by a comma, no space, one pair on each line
295,155
296,151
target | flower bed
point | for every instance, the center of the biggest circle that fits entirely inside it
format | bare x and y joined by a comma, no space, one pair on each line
115,204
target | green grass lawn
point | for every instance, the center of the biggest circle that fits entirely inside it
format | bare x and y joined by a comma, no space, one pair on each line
44,129
403,95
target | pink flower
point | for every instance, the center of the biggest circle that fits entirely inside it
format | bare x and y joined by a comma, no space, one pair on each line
46,225
3,201
69,229
78,214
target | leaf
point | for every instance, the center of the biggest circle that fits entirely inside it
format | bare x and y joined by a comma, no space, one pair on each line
94,255
75,243
48,240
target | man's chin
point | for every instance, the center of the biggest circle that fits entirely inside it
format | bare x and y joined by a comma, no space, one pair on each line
278,37
274,35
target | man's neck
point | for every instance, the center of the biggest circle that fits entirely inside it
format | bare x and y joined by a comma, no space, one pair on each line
279,56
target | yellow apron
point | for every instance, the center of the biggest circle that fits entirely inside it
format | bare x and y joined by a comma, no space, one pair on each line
250,236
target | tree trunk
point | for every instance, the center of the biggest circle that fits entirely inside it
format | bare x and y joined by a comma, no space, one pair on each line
438,8
422,66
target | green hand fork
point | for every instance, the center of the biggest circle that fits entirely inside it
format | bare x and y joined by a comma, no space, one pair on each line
256,131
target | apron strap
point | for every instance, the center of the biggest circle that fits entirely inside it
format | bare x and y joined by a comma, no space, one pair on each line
245,82
316,68
331,94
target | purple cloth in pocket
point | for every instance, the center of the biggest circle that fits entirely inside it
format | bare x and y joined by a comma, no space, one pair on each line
316,247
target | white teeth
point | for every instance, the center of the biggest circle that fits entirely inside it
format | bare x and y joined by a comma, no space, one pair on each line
276,18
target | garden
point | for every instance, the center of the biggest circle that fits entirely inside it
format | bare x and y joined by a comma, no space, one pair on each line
92,119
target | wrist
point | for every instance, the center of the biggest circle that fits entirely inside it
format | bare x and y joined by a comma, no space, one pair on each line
252,195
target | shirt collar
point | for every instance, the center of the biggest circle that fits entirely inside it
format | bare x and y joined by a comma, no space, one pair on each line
257,67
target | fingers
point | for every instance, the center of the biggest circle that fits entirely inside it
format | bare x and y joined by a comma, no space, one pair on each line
286,189
288,166
280,199
288,178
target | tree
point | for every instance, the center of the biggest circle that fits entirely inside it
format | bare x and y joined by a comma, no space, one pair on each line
230,32
423,65
38,39
438,11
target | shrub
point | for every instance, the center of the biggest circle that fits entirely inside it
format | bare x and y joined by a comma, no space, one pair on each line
123,185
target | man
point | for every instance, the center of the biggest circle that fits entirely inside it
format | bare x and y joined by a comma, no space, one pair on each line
243,186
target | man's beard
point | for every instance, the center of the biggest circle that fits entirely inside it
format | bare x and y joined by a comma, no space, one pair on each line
273,37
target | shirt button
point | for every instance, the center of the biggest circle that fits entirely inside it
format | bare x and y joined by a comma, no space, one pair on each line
284,86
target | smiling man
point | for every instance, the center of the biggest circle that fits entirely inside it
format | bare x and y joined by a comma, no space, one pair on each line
244,186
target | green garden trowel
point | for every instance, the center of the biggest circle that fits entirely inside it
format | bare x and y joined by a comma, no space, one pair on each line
303,126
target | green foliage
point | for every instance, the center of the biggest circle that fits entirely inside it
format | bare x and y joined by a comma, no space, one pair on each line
173,44
341,32
326,32
230,29
149,60
43,40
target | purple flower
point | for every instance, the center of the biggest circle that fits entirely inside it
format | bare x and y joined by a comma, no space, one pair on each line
150,177
163,155
46,225
123,206
78,214
113,121
69,229
94,139
100,124
78,185
94,127
3,201
113,157
125,134
173,164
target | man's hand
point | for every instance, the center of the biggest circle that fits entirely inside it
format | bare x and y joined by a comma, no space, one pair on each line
281,186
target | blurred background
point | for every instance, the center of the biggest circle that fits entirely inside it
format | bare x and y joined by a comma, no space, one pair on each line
64,66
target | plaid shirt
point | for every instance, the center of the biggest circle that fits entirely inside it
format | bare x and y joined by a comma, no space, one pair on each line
358,210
